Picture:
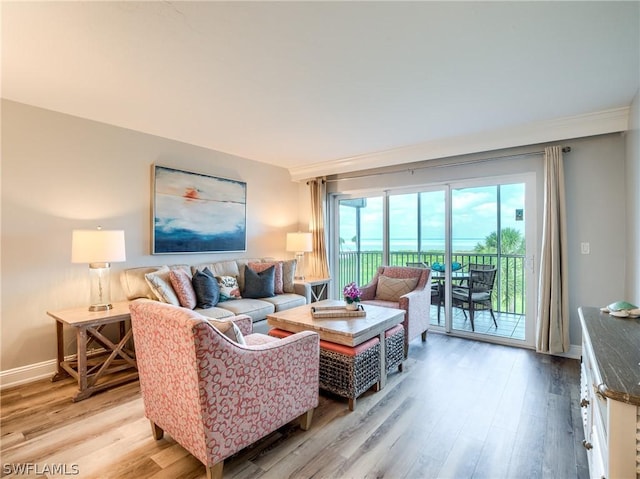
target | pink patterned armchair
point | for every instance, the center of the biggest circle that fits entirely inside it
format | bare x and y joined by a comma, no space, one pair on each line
215,396
395,290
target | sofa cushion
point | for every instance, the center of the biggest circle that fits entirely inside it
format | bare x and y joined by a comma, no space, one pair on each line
390,289
285,301
216,313
257,309
220,268
277,280
229,288
206,289
259,284
258,339
161,286
181,282
241,263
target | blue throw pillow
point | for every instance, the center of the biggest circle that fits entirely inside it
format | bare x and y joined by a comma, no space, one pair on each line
206,287
259,285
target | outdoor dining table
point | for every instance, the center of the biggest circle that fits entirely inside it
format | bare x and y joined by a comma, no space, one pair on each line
439,277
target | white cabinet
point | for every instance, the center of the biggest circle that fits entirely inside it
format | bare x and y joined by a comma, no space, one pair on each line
610,374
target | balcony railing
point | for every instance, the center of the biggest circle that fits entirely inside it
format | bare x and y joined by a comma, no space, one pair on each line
509,290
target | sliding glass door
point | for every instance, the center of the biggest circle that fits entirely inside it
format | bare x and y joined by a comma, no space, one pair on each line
489,240
483,225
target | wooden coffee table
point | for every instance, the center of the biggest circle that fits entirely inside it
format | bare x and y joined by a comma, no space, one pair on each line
348,331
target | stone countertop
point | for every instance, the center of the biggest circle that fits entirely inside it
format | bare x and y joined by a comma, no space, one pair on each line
615,343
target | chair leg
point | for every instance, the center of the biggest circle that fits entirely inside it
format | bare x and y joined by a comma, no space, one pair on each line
305,420
494,318
215,471
473,328
156,431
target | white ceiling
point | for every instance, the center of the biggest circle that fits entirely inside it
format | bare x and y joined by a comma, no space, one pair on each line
324,87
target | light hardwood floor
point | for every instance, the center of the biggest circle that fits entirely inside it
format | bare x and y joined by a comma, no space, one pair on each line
460,409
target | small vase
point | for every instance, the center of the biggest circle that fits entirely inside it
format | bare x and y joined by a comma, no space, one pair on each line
352,306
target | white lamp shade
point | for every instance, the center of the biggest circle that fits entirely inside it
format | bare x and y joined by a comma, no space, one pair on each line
299,242
97,246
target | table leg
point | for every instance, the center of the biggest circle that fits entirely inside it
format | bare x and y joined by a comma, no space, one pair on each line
83,393
383,361
60,372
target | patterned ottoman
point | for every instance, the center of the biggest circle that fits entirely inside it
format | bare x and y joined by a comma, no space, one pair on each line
346,371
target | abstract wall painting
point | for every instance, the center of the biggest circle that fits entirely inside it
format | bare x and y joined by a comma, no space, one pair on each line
197,213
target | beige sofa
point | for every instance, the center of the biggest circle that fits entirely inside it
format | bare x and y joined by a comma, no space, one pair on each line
294,293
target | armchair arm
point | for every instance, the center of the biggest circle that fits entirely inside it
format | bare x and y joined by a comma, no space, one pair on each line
244,323
417,305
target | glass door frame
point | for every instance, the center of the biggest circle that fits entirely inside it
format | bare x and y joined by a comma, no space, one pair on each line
532,247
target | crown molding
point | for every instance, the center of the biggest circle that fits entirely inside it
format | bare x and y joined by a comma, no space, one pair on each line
590,124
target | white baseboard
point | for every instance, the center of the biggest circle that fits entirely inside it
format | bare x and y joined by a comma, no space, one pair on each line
35,372
27,374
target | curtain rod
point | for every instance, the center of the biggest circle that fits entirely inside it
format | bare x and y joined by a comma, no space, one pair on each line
565,149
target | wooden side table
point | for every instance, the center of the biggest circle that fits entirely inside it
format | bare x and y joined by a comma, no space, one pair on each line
94,372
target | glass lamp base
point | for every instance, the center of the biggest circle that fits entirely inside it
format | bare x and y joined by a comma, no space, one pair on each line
100,295
100,307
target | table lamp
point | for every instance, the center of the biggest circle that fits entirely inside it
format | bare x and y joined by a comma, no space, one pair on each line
98,248
299,243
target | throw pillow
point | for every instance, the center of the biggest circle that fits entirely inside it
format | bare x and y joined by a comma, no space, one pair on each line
160,284
206,289
259,285
181,282
229,288
229,329
277,285
288,275
390,289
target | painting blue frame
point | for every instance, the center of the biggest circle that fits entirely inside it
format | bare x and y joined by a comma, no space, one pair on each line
197,213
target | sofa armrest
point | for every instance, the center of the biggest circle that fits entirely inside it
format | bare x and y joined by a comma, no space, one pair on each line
303,289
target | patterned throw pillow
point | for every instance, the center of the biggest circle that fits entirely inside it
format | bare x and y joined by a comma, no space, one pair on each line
206,289
229,288
258,285
229,329
288,275
160,284
181,282
390,289
259,267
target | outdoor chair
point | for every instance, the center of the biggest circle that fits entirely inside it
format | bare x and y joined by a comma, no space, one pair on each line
215,396
476,292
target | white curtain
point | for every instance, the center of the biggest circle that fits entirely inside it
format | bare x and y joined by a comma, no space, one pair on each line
318,258
552,328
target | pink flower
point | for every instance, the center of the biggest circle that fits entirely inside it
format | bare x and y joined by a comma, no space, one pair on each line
351,293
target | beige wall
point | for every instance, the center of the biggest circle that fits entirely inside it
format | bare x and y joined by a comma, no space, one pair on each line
61,173
632,175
